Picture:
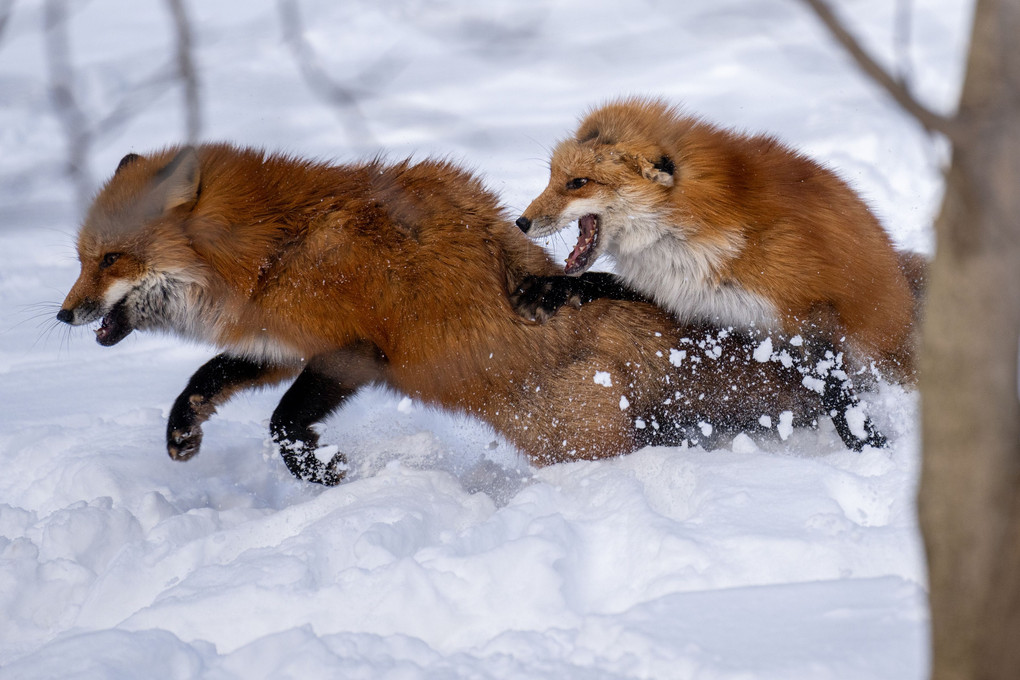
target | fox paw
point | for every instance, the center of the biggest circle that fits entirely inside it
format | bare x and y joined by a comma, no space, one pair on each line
538,298
184,426
298,448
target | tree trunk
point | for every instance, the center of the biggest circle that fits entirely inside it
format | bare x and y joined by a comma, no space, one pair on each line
969,501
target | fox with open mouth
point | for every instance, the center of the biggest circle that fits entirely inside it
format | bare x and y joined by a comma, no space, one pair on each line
734,230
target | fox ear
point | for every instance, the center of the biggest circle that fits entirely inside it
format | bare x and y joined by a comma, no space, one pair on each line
661,171
126,161
176,185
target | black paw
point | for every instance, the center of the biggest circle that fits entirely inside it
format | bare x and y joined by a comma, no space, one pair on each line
538,298
298,453
184,426
839,399
872,437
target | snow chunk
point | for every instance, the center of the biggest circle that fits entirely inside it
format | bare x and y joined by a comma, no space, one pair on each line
326,453
812,383
785,426
744,444
603,378
764,351
624,404
405,405
706,428
796,341
676,356
765,421
855,418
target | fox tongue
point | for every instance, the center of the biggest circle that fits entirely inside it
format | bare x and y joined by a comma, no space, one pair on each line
114,327
587,239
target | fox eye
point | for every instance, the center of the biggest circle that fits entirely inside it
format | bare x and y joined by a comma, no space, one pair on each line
576,183
108,260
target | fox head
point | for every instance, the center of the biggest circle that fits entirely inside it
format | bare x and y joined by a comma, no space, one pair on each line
611,177
135,263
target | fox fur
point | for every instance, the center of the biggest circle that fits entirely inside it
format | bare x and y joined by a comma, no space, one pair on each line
392,274
732,230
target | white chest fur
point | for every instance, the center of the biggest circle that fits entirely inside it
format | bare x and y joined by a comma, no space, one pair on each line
682,277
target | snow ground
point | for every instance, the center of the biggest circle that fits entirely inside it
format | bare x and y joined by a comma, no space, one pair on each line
445,555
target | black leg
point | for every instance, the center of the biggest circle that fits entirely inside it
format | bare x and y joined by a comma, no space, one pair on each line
212,384
538,298
838,397
321,389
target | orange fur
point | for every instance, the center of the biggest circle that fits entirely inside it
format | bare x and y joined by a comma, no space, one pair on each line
758,217
400,273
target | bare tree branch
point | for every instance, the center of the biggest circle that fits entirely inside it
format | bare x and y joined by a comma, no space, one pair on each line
186,69
896,88
345,99
65,103
142,95
901,41
6,9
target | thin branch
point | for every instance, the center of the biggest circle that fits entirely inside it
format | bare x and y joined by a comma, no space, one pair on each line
142,95
904,23
932,121
65,103
345,99
186,69
6,9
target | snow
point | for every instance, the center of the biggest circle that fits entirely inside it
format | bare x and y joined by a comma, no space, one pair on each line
445,554
763,352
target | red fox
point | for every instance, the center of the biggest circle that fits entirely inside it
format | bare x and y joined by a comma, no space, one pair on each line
734,230
395,274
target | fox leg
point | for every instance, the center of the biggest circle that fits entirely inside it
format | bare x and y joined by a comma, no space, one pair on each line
838,398
323,387
537,298
213,384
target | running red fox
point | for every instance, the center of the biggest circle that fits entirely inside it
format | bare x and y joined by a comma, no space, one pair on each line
726,229
395,274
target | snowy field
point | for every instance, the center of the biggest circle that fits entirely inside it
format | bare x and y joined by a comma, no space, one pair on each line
445,555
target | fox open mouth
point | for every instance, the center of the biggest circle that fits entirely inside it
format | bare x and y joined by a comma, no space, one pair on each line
115,326
583,255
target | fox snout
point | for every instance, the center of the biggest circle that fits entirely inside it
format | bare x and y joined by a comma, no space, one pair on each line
536,220
79,310
539,225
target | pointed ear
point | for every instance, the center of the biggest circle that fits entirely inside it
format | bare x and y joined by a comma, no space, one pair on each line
176,185
126,161
662,171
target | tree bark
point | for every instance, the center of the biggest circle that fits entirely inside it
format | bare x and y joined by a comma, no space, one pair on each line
969,499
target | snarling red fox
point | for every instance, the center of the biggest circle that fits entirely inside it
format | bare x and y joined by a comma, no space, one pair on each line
397,274
725,228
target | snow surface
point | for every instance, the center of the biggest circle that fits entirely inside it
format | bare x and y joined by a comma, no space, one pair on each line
445,555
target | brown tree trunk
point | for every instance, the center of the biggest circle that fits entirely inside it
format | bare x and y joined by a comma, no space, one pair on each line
969,501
